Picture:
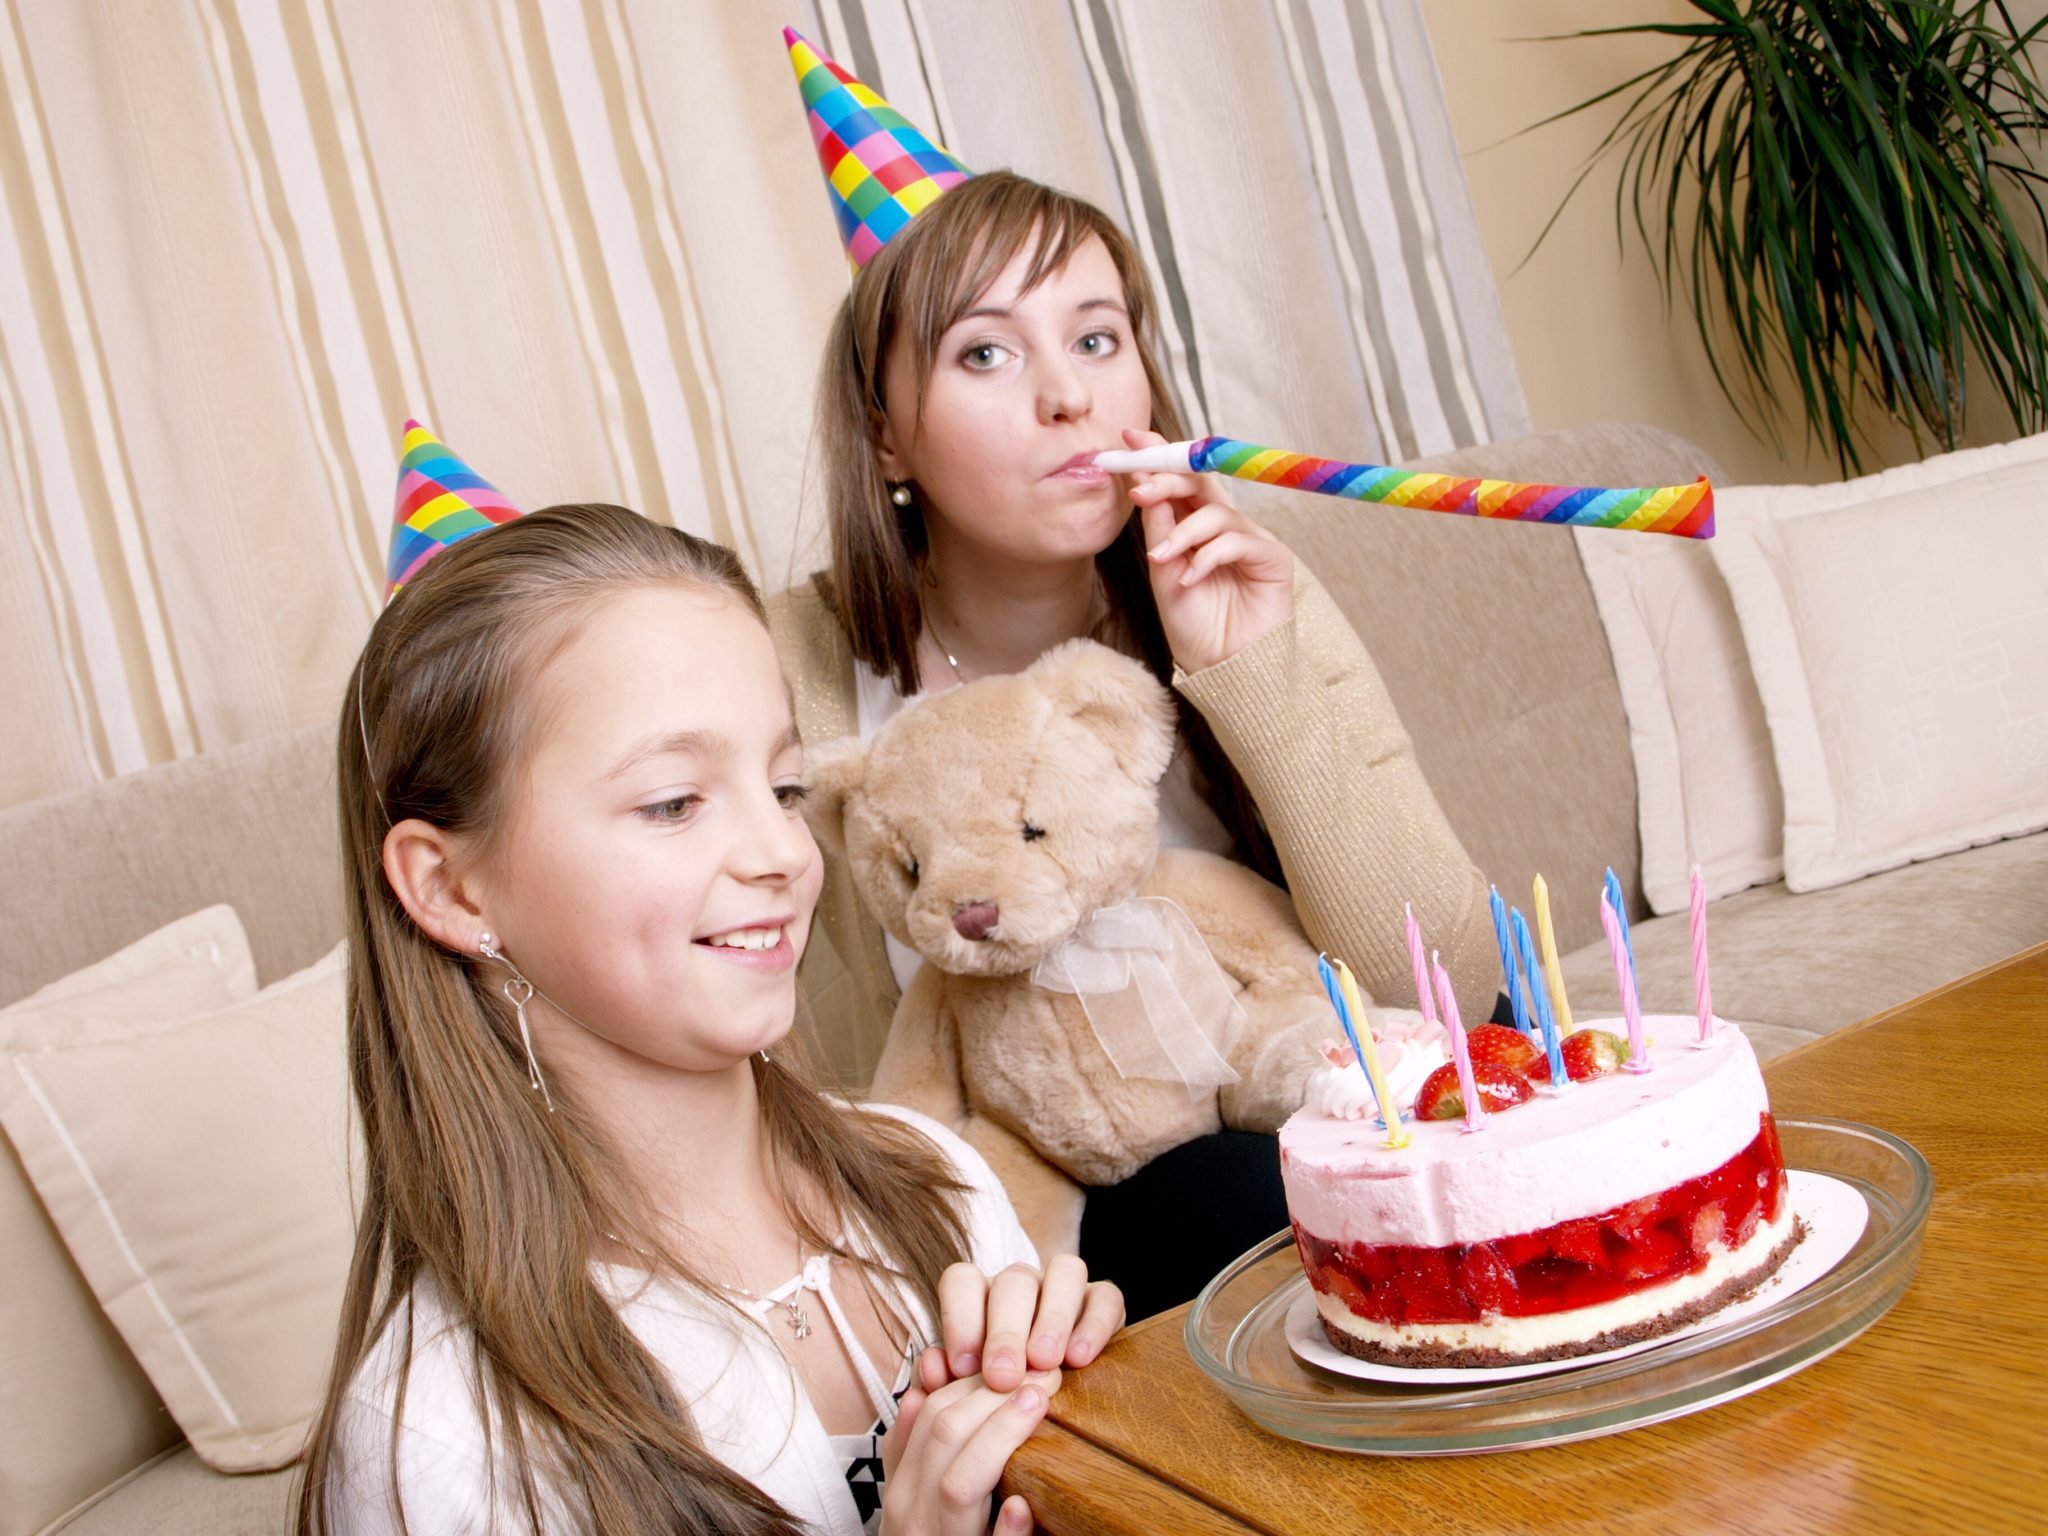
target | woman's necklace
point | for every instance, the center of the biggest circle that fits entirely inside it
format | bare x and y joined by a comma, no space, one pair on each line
944,649
1098,614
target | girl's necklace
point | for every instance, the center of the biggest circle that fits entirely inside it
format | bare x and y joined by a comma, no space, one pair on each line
799,1320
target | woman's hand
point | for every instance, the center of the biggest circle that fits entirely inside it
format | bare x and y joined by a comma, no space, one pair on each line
1019,1320
945,1453
1221,581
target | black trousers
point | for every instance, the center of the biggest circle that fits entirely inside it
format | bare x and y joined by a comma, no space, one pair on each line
1172,1226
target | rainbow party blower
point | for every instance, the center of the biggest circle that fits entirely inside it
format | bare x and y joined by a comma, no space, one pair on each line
1686,510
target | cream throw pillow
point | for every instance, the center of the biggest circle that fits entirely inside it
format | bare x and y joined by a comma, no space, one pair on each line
200,1175
1898,628
76,1412
1706,785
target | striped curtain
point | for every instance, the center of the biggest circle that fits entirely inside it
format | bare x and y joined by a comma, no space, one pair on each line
242,240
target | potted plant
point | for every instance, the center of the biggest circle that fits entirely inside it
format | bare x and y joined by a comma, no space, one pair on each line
1838,188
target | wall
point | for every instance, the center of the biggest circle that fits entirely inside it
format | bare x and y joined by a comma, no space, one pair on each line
1588,325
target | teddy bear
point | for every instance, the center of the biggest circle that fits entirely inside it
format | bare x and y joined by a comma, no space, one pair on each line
1087,999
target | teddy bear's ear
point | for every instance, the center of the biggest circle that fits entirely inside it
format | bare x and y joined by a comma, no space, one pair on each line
1116,698
832,771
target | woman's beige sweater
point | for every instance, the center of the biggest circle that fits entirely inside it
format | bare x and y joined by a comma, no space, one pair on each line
1304,717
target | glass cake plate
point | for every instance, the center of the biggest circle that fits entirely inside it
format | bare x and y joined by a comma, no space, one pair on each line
1236,1332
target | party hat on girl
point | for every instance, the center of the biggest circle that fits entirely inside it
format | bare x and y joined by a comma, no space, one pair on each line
441,501
880,171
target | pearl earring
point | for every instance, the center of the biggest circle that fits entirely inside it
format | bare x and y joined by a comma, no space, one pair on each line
518,992
900,493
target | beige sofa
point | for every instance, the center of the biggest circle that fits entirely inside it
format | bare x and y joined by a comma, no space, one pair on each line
1490,642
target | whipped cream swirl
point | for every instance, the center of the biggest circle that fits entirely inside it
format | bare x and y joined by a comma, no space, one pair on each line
1410,1048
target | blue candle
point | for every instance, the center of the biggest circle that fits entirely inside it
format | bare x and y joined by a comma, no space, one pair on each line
1517,1004
1613,888
1551,1045
1336,996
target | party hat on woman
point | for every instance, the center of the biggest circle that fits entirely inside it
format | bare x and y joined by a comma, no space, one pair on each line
880,170
441,501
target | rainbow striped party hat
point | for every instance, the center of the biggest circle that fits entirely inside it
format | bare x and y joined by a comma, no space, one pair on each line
441,501
881,171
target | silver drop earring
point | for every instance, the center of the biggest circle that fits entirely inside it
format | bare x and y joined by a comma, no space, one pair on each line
899,493
518,992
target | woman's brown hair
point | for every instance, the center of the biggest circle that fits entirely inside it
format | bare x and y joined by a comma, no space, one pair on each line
917,286
470,1183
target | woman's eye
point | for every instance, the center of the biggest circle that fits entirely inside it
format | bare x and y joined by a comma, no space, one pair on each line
983,356
672,812
1099,344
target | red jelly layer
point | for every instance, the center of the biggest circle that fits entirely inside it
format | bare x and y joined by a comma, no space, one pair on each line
1571,1264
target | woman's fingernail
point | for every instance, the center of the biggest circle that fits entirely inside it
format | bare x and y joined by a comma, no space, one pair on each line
1083,1351
1158,551
965,1364
1029,1400
1002,1360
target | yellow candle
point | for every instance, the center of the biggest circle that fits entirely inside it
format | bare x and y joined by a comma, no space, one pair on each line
1552,971
1397,1133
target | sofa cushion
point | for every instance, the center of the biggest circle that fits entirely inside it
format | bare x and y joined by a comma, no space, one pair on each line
1488,641
1790,968
200,1176
179,1495
1897,626
252,826
76,1410
1706,782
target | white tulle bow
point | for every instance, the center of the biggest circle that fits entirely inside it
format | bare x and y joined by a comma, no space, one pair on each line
1159,1004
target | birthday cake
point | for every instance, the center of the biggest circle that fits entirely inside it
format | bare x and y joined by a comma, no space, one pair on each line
1619,1208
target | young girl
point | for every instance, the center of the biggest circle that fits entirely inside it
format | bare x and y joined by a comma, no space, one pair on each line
984,354
620,1267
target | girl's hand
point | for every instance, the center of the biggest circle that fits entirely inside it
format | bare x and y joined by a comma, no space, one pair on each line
1019,1321
1221,580
945,1453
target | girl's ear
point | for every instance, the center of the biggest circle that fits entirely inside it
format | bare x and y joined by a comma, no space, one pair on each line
832,772
420,863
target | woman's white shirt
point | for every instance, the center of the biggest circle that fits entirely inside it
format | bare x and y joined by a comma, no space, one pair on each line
741,1393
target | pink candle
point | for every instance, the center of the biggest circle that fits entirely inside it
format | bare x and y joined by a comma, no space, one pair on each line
1702,988
1625,982
1422,999
1461,1052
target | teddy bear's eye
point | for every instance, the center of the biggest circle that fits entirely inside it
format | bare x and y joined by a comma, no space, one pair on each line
1032,834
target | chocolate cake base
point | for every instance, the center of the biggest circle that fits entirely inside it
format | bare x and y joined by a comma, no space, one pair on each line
1432,1356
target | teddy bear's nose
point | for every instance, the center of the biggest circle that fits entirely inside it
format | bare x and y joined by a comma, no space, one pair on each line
976,921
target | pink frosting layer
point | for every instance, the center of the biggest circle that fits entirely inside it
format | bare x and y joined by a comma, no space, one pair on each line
1598,1145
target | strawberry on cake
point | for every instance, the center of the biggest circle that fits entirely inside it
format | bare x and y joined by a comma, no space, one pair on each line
1571,1221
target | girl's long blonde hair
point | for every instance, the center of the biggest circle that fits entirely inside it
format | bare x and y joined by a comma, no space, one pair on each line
471,1183
917,286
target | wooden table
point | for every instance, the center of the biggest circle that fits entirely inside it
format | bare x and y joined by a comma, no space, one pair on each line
1936,1419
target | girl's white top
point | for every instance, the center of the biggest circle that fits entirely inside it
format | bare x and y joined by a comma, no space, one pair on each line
739,1389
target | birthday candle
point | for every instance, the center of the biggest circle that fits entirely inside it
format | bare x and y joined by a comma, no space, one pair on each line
1552,1046
1397,1133
1612,885
1422,999
1702,988
1461,1051
1552,969
1625,983
1516,1005
1686,510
